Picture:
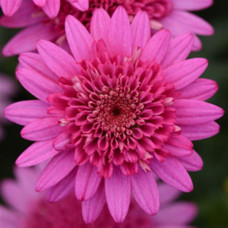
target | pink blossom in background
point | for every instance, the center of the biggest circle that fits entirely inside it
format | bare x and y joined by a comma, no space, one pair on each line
124,107
29,209
173,15
7,89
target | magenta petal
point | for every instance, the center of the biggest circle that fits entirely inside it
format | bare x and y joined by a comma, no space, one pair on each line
192,4
9,7
183,73
145,191
173,173
53,57
79,39
58,168
87,182
190,112
51,8
38,152
42,129
117,191
179,49
62,189
25,112
141,31
81,5
157,47
121,43
92,208
39,3
192,162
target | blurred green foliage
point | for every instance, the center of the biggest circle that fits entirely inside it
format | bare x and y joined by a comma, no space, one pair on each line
211,184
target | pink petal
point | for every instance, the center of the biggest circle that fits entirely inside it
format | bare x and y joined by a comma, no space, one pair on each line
87,182
167,194
39,3
92,208
141,31
172,172
192,162
192,4
157,47
53,57
42,129
25,112
190,112
81,5
178,50
38,152
200,131
26,39
184,73
51,8
201,89
177,214
62,189
120,33
117,191
9,7
79,39
147,196
100,24
58,168
8,218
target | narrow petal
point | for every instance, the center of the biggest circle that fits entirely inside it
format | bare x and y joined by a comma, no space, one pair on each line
120,33
172,172
26,39
192,162
148,197
201,89
184,73
53,56
190,112
87,182
92,208
42,129
79,39
179,49
9,7
100,24
25,112
157,47
141,31
117,191
58,168
81,5
38,152
51,8
62,189
200,131
39,3
192,4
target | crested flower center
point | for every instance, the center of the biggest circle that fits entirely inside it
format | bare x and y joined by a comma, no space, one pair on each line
156,9
117,112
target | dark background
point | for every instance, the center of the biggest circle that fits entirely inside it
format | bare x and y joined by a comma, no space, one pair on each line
211,184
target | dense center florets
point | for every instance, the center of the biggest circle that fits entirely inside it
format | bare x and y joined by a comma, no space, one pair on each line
156,9
116,112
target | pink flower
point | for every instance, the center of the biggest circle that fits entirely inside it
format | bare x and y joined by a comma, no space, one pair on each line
50,7
7,89
173,15
124,106
31,210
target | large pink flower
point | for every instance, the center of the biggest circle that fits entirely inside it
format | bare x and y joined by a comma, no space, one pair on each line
7,89
170,14
125,106
31,210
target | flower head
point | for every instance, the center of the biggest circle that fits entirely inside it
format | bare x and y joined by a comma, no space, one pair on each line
125,106
7,89
170,14
29,209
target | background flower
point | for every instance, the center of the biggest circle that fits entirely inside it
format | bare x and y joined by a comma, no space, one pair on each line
30,209
170,14
107,112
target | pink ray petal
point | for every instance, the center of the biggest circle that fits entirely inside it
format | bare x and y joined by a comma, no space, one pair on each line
192,4
9,7
51,8
39,3
81,5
